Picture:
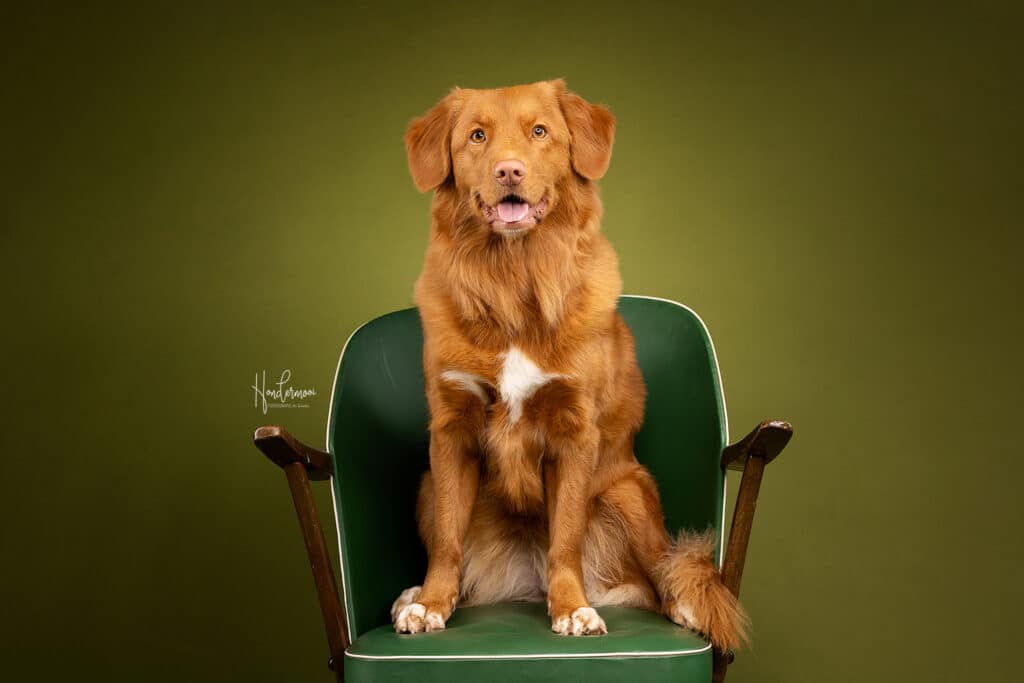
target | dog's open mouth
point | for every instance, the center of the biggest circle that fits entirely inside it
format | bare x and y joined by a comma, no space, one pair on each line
512,209
513,214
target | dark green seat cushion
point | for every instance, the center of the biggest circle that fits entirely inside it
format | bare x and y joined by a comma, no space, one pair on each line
513,641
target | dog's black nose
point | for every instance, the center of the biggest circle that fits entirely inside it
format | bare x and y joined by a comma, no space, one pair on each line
510,171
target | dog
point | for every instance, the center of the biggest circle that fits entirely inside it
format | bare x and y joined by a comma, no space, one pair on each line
535,395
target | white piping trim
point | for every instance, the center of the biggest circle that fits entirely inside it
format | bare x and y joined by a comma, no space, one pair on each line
334,502
721,392
567,655
337,525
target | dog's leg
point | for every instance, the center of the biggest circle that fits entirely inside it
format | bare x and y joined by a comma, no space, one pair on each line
633,497
454,475
612,574
571,456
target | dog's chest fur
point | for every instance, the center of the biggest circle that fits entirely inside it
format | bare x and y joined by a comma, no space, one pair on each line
512,441
517,379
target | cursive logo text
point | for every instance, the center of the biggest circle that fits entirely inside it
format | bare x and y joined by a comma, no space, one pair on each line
280,394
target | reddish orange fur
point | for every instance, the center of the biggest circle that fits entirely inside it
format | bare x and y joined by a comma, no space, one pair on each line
687,572
555,501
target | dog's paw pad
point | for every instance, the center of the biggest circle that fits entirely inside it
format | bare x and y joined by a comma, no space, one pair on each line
584,621
682,614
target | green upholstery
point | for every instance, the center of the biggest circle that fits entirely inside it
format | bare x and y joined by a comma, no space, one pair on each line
490,642
378,440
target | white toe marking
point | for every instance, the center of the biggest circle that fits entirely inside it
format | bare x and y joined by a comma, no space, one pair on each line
410,618
518,379
590,622
468,381
434,622
561,626
413,617
585,621
408,595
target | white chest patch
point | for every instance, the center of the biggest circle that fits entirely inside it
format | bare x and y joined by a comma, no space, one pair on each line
518,379
468,381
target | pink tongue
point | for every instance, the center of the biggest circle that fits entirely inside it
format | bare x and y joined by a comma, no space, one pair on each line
511,212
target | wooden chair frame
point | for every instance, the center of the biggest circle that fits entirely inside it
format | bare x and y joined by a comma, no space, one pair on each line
302,463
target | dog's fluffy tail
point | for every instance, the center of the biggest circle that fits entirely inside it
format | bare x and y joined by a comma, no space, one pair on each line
693,594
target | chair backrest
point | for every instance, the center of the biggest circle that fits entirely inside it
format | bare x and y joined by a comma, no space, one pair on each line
377,436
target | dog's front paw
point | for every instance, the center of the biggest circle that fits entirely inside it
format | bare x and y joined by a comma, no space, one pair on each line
407,597
410,616
416,618
584,621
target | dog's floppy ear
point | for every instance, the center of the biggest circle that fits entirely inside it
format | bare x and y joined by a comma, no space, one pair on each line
592,128
428,144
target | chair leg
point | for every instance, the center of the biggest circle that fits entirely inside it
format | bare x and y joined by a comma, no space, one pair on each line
721,665
739,536
332,610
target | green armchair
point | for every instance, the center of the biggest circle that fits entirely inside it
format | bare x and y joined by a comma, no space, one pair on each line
377,445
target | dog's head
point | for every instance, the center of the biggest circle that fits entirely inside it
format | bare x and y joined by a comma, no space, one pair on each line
509,153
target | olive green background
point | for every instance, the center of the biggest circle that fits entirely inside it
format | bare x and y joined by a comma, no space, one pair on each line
193,194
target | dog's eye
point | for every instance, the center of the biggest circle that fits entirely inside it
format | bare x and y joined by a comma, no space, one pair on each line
477,135
540,131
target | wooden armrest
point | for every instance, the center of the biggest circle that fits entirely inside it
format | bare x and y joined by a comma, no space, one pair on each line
767,441
283,449
300,464
750,454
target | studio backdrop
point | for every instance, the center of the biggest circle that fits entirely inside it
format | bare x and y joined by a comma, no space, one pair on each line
201,198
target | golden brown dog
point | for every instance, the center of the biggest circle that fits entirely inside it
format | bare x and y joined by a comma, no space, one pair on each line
534,390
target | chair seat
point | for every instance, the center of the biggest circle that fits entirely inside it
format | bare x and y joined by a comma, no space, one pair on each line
513,641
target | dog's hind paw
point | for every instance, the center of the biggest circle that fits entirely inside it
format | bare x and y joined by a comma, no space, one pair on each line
682,614
584,621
